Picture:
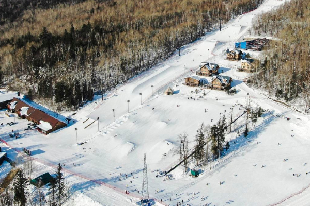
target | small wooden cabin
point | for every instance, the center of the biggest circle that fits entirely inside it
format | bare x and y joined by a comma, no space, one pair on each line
207,69
234,54
247,65
169,91
221,82
192,81
42,180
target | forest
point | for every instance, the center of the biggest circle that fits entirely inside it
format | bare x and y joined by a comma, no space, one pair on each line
285,72
60,54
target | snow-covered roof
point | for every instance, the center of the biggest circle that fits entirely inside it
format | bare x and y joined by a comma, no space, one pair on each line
223,79
204,81
247,61
23,110
210,66
2,154
13,104
237,51
169,90
5,96
45,126
195,77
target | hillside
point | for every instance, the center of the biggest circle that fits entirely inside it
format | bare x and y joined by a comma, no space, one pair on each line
95,45
286,74
103,160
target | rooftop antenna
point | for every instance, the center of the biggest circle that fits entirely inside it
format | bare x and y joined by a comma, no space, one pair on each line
145,191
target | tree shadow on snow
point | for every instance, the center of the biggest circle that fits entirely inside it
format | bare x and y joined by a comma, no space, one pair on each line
242,141
146,202
97,182
223,70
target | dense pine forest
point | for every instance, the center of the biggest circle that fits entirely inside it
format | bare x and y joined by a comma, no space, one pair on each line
61,53
286,73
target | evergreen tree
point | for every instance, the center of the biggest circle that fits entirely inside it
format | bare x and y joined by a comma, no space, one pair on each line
30,94
184,150
20,185
218,138
200,143
6,199
52,190
60,186
1,76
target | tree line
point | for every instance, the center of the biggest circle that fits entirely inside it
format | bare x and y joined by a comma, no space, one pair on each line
210,142
285,71
103,43
20,194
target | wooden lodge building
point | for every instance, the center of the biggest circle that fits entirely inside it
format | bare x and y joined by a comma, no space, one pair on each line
207,69
195,81
233,54
45,123
221,82
247,65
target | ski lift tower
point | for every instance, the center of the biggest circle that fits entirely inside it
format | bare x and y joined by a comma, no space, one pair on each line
145,190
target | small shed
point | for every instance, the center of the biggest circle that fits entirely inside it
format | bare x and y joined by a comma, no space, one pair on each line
2,157
247,65
169,91
194,173
45,178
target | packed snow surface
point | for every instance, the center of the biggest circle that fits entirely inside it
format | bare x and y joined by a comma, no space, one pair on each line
104,159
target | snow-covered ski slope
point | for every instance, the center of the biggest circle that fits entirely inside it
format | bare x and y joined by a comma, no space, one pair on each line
266,168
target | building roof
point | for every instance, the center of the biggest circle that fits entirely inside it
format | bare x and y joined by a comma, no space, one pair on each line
250,61
12,104
45,178
45,126
6,96
20,104
46,122
2,154
210,66
223,79
169,90
237,51
23,111
195,77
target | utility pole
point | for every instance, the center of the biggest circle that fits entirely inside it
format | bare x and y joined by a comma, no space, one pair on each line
152,89
98,123
76,135
113,114
145,190
141,97
218,138
248,108
231,118
128,104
